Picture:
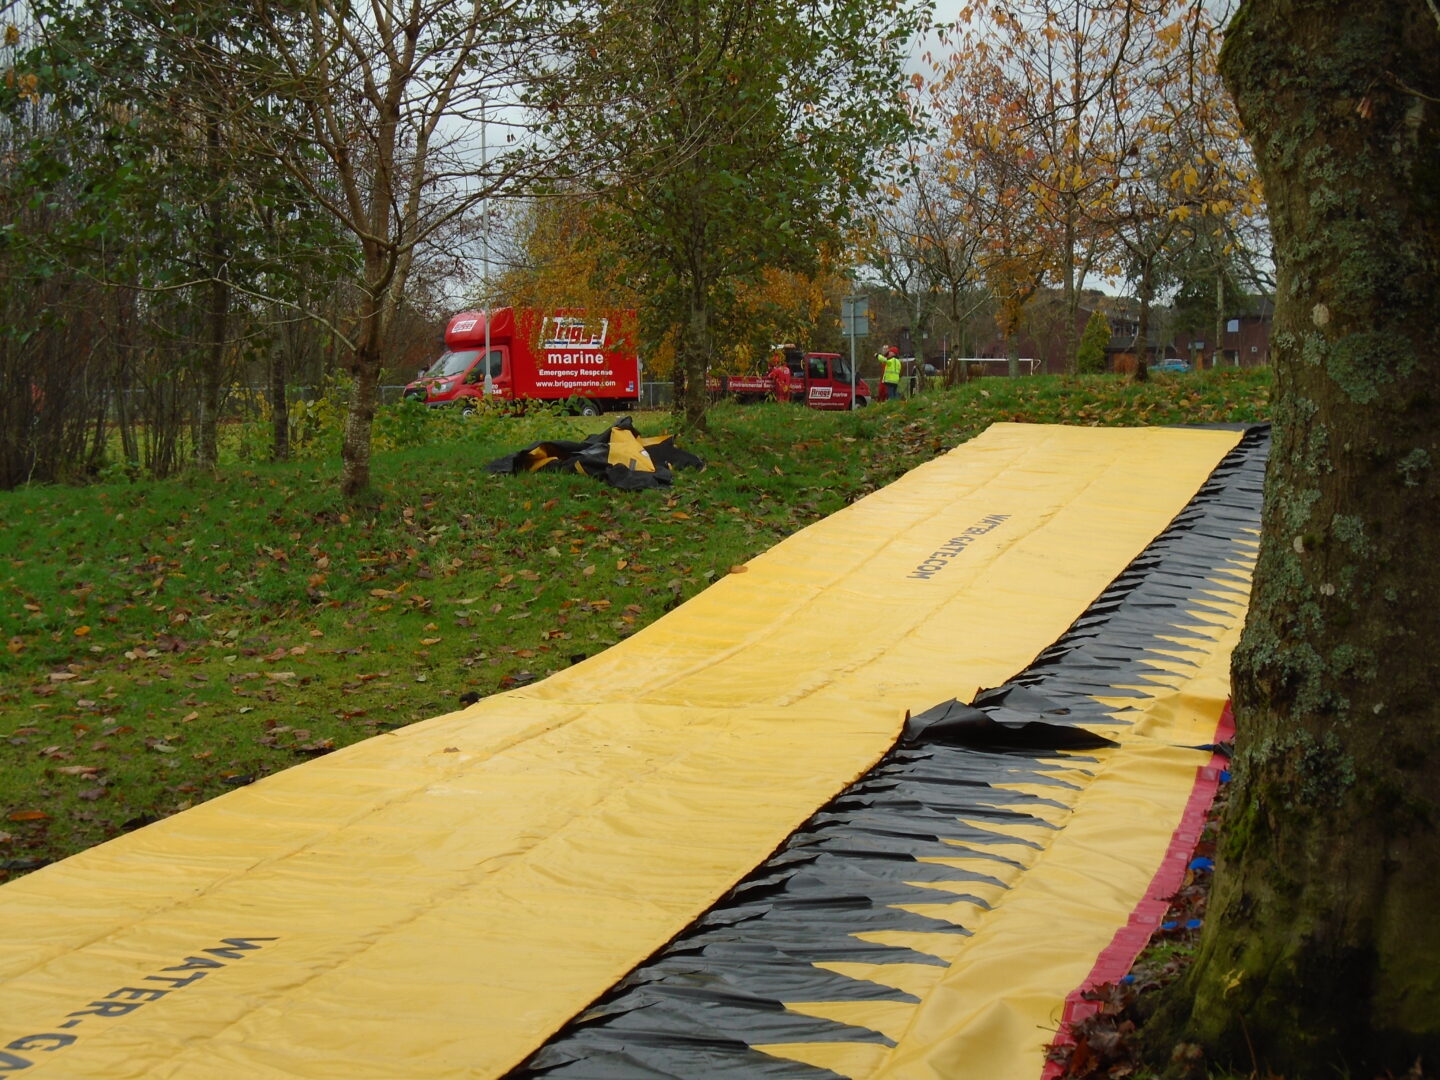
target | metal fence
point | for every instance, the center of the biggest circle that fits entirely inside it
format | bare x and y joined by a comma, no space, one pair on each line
247,400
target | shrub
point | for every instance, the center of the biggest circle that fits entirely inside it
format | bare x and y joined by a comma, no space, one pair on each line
1090,356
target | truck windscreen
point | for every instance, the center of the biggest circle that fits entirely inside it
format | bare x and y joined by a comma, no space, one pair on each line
452,363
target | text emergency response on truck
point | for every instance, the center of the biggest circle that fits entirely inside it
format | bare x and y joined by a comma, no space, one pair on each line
567,355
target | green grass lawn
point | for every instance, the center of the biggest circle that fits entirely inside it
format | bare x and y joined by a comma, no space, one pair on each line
162,642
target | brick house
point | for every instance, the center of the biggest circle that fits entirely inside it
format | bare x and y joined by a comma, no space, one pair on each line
1246,341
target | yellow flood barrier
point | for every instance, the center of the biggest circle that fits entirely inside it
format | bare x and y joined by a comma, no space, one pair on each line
993,1007
437,901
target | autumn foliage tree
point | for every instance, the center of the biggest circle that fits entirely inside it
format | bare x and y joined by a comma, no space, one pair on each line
1180,183
1105,138
988,168
780,305
559,254
1045,71
735,136
923,243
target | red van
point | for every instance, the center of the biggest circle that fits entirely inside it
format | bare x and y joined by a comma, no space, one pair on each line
566,355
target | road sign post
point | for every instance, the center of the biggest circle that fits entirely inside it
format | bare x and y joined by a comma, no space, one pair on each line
854,323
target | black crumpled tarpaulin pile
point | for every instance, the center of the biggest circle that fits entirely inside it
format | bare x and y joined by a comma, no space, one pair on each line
620,456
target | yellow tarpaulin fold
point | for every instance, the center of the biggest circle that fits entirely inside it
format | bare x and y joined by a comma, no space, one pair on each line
437,901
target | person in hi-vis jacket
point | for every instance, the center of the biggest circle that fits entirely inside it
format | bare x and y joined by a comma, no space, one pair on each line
890,364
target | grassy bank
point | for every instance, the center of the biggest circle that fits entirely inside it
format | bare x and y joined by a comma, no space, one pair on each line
164,642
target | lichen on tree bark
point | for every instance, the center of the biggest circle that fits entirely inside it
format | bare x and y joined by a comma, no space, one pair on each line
1321,950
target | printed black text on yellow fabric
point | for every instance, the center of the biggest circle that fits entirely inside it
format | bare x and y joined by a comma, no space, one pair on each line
126,1000
938,560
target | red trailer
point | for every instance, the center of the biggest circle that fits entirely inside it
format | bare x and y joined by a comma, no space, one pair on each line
819,380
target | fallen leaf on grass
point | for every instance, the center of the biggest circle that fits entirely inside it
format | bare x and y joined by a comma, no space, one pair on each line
78,770
28,815
90,794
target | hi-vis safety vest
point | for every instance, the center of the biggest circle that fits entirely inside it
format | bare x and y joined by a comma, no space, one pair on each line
892,369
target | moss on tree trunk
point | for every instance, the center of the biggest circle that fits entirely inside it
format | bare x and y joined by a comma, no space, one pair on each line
1322,948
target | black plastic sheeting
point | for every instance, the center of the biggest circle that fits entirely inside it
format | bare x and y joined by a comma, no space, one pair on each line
698,1005
591,456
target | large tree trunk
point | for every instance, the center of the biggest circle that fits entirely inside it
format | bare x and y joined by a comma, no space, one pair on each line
279,403
364,368
1217,354
694,361
1322,949
1142,324
1071,296
359,419
360,416
207,436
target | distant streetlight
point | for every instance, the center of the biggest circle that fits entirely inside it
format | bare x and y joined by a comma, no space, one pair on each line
485,245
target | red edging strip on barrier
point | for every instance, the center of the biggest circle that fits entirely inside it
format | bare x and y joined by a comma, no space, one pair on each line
1116,959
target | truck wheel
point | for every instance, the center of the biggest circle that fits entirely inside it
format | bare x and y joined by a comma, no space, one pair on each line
586,407
861,402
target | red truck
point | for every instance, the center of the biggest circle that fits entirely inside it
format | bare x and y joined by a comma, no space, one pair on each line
819,380
589,361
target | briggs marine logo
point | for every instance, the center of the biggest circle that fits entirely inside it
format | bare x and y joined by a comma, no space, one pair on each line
124,1001
942,555
567,331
